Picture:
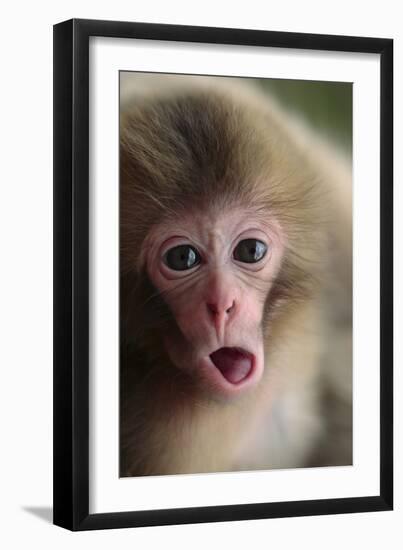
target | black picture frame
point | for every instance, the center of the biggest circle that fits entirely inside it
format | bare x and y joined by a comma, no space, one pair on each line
71,274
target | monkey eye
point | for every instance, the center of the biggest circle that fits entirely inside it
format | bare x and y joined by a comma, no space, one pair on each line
182,257
250,251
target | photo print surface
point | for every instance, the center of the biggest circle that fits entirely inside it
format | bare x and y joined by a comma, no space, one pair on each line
235,274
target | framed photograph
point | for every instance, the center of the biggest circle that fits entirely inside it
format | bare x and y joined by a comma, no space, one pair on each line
223,320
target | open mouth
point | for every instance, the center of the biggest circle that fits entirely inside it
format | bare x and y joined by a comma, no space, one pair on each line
235,364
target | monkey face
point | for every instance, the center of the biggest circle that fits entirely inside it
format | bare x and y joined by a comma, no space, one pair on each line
215,272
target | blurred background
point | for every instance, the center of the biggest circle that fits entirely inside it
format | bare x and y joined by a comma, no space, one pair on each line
326,106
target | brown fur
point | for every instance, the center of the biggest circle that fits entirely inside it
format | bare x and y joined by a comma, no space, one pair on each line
210,148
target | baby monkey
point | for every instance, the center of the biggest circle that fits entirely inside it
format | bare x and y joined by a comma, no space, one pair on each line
235,295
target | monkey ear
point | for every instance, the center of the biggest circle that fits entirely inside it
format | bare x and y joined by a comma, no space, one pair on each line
143,313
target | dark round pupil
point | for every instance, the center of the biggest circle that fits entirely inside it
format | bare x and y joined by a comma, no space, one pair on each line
250,251
182,257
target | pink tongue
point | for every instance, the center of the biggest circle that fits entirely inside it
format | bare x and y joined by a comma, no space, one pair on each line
233,364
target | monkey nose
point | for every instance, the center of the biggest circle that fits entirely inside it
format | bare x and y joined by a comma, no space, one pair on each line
218,309
220,315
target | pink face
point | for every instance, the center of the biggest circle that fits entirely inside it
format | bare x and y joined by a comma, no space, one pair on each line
215,272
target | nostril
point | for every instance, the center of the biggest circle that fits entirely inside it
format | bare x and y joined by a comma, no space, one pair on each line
212,308
215,309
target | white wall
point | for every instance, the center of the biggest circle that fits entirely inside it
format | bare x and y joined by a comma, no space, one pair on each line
25,271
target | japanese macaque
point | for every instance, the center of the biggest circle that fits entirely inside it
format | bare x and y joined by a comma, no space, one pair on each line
235,244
